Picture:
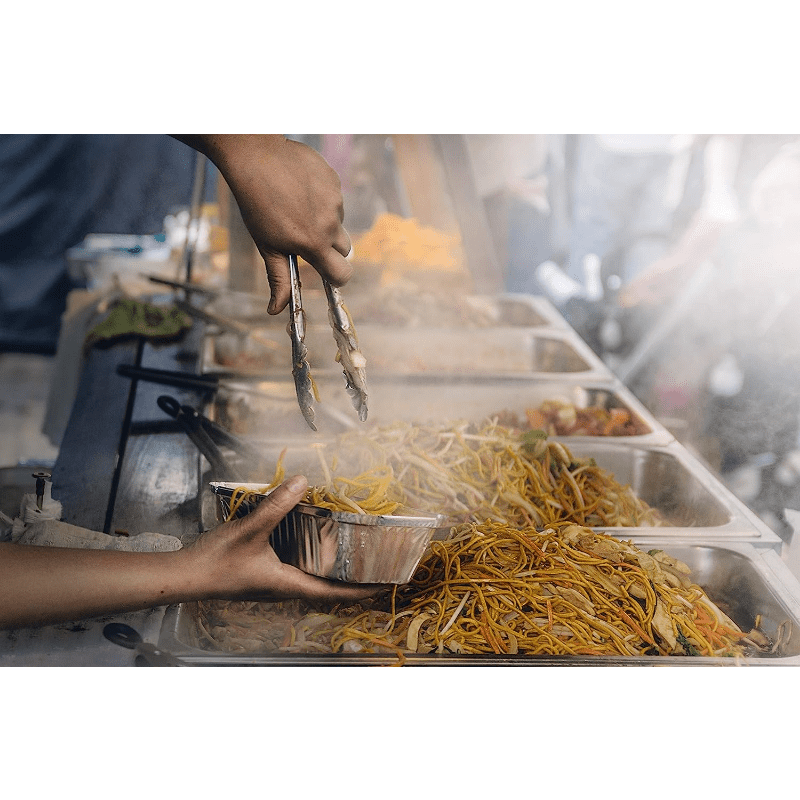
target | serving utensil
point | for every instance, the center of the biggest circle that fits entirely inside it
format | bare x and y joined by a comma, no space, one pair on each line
203,436
147,655
349,356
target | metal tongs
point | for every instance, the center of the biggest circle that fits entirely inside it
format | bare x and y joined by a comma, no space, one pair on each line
349,356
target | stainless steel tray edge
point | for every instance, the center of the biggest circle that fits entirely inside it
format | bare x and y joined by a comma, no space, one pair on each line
742,525
744,516
784,576
542,306
595,368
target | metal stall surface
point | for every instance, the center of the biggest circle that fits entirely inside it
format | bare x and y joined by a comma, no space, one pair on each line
124,468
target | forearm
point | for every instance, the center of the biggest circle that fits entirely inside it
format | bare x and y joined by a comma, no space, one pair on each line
42,585
225,149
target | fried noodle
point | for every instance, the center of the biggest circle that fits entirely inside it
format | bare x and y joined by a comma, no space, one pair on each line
469,472
494,589
521,572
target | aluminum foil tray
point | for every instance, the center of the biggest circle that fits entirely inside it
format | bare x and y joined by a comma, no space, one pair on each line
355,548
743,581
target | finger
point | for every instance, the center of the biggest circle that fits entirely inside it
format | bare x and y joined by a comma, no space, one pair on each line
337,592
295,583
342,243
270,511
333,266
340,205
279,281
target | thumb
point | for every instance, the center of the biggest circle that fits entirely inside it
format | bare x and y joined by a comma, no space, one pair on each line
333,266
270,511
277,266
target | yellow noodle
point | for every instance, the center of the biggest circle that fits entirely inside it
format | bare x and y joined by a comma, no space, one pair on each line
471,472
494,589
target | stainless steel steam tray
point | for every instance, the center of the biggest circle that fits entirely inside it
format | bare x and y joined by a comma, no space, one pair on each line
421,400
365,306
741,580
690,499
263,408
496,351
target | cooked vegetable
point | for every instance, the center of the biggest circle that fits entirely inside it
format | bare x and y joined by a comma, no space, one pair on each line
559,418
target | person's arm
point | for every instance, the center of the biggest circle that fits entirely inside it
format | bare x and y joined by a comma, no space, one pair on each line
45,585
291,202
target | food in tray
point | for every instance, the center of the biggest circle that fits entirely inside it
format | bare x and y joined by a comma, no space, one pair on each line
495,588
560,418
470,472
398,244
253,353
521,571
128,318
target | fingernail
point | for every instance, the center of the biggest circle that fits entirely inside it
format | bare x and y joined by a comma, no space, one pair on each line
271,306
296,483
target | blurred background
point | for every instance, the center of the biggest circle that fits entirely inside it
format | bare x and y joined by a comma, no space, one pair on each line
673,256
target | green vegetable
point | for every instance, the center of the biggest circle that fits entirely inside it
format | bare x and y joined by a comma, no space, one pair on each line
529,437
685,643
128,318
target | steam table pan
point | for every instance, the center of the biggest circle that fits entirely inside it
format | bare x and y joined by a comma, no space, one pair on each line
742,581
517,310
259,409
478,398
666,477
505,351
692,501
356,548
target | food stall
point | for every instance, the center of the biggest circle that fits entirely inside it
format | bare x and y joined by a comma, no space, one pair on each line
157,425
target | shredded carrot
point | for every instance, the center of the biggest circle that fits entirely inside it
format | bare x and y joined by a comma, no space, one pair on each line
636,627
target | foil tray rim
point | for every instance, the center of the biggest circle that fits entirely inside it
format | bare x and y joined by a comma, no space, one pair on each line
226,489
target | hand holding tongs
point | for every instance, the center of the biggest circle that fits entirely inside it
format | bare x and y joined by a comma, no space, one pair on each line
349,356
